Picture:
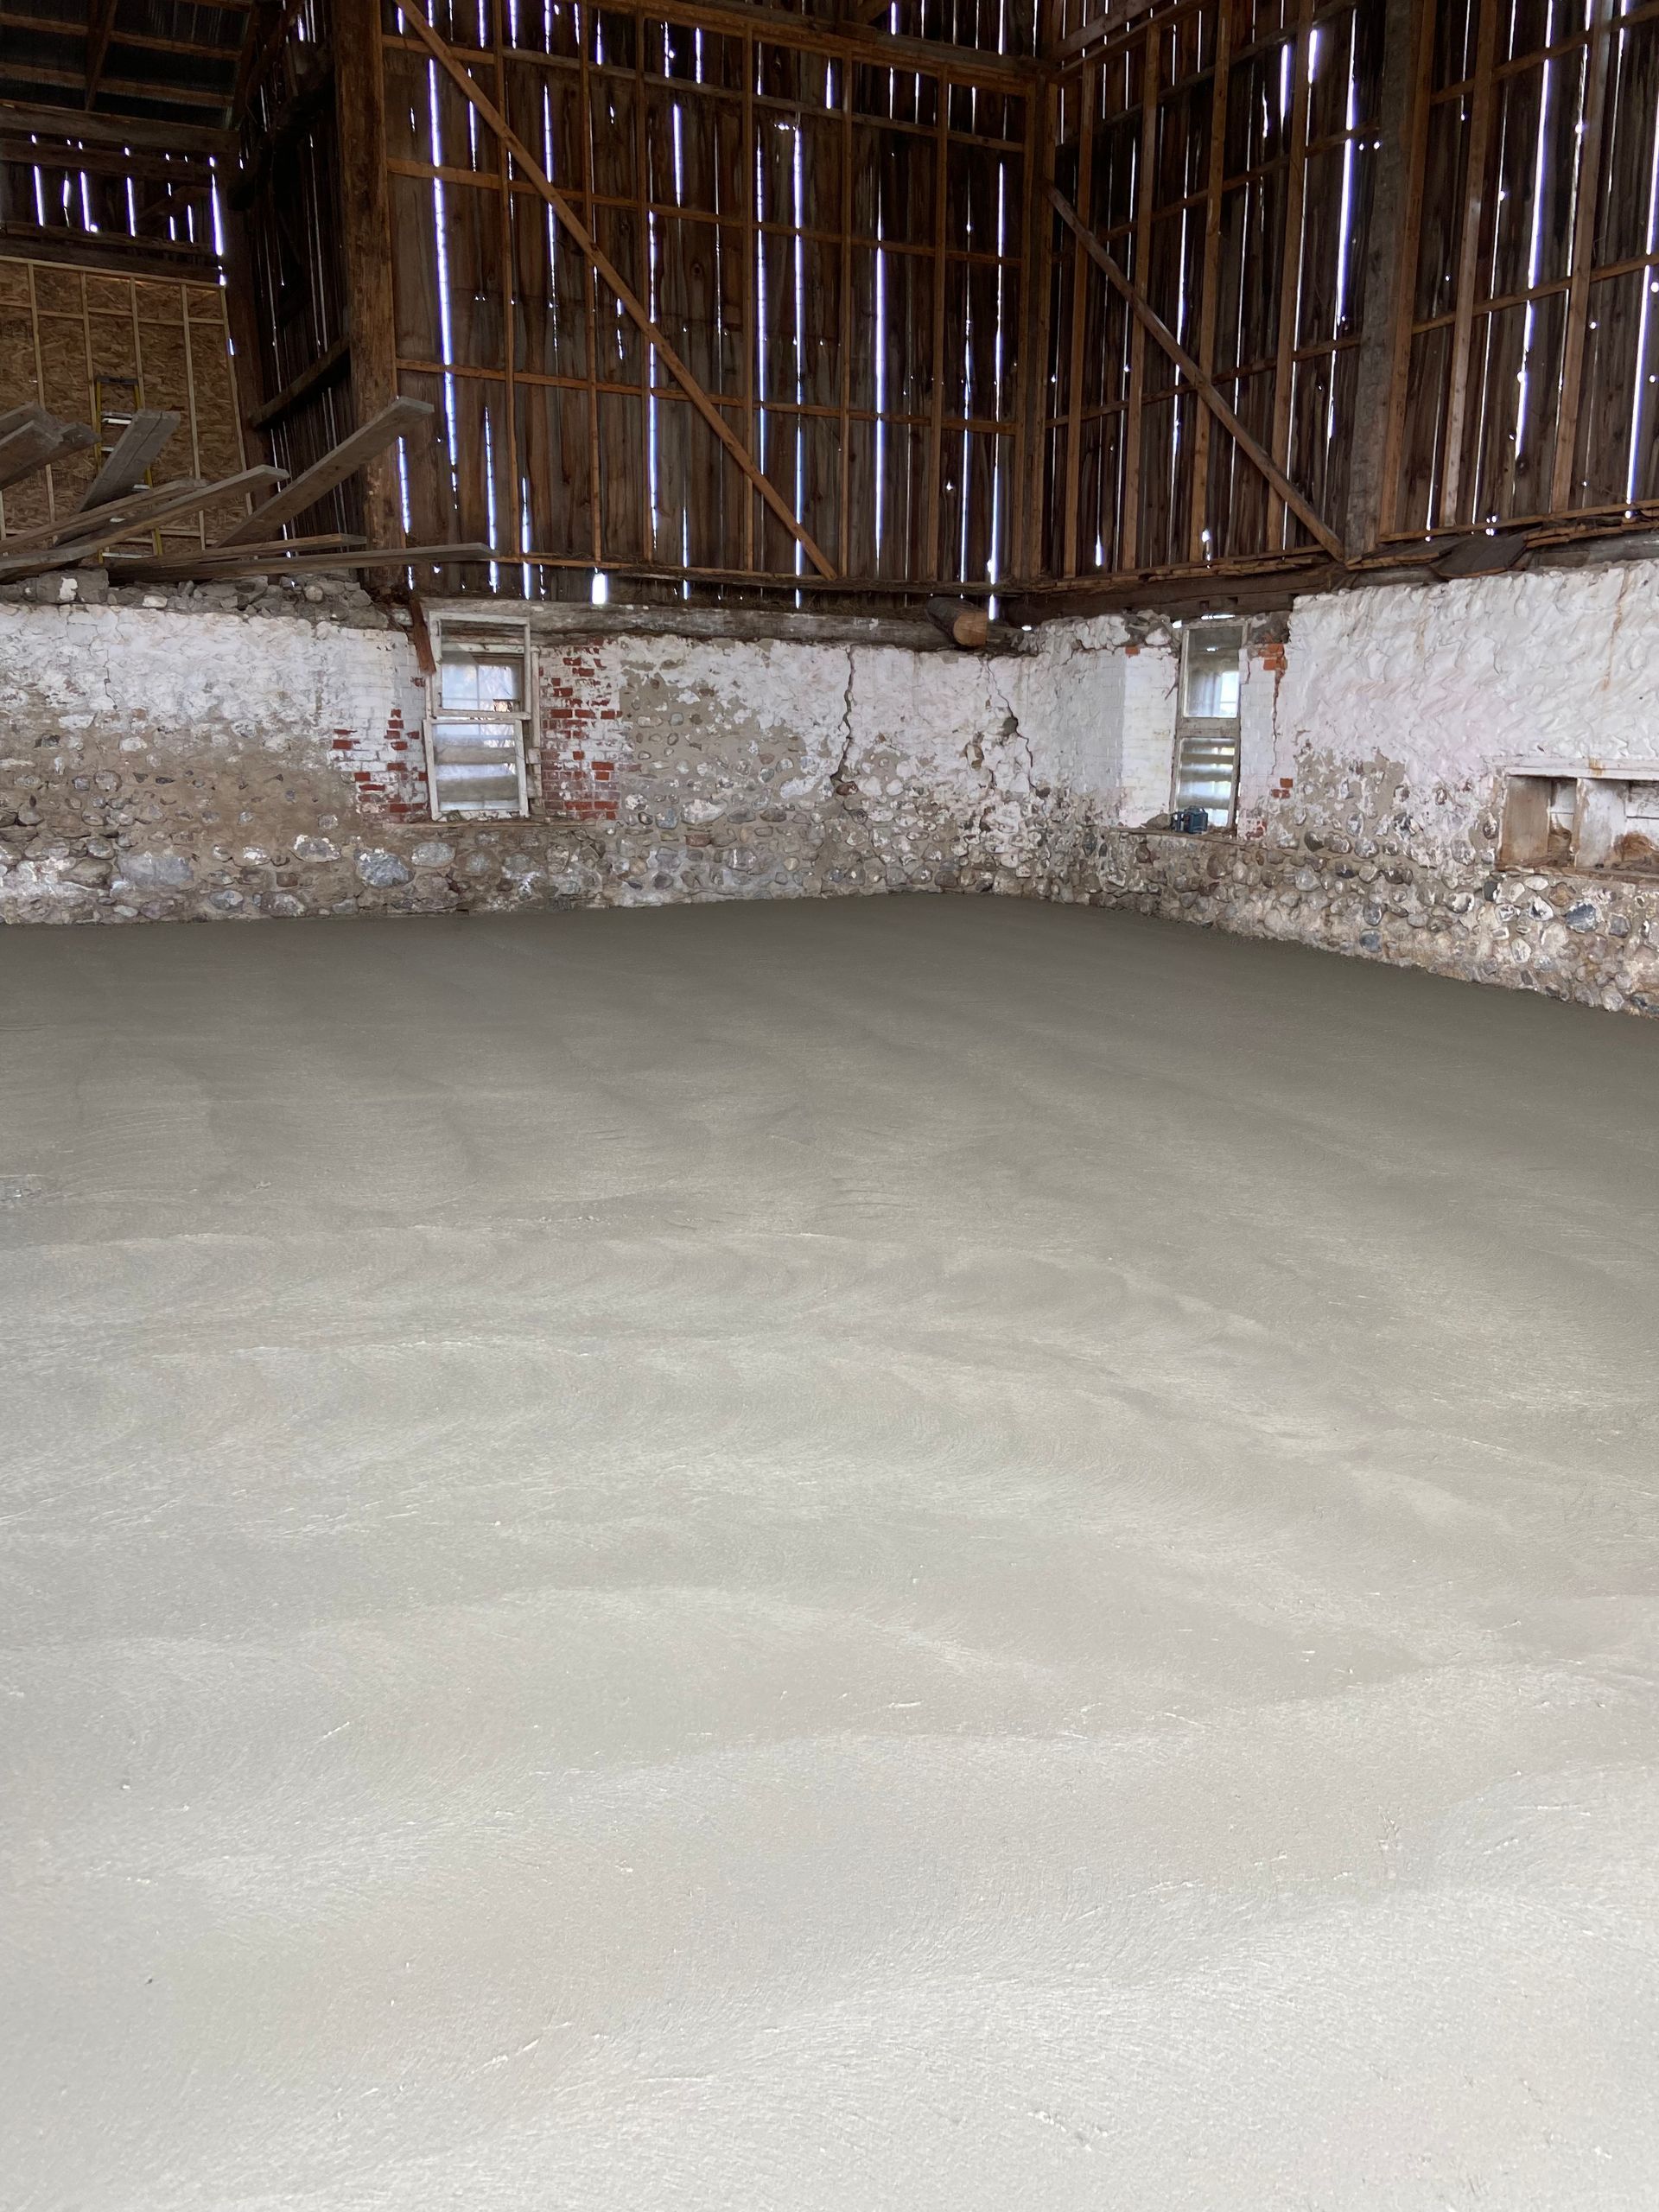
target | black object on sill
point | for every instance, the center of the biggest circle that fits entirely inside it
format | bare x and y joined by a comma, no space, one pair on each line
1190,821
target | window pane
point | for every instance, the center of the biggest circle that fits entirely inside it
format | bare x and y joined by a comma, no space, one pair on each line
1210,658
1206,773
475,764
469,681
459,685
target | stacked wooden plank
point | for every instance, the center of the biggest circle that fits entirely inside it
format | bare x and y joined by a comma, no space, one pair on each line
120,505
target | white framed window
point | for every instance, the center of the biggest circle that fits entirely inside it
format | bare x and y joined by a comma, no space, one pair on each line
1207,722
478,743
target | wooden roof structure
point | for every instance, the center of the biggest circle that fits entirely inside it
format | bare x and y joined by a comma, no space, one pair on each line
1053,301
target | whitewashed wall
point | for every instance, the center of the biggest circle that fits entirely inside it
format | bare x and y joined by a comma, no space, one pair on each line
1375,743
160,763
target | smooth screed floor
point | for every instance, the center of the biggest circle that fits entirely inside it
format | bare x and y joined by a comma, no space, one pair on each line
902,1556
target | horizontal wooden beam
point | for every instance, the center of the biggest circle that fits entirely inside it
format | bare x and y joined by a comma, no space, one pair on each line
192,171
179,570
846,39
14,19
453,67
111,250
34,116
129,88
1159,330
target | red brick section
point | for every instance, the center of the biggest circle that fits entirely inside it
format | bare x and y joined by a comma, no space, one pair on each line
579,766
390,771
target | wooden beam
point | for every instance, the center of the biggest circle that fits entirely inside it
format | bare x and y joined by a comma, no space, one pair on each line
1026,536
1584,247
366,219
1480,129
300,388
1129,533
133,453
258,563
13,19
1290,257
844,40
106,249
886,49
74,80
131,512
36,444
253,66
337,464
243,556
100,22
182,501
1384,294
1072,492
60,123
119,162
1156,328
466,84
1120,13
1198,520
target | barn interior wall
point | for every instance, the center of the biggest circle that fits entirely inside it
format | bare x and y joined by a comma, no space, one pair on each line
1378,731
163,764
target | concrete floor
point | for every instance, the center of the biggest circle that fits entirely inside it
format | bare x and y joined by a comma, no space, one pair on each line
910,1556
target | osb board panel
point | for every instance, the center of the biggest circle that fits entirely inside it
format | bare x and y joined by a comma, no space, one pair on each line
88,344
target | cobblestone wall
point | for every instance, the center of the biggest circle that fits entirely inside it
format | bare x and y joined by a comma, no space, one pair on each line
160,763
1378,728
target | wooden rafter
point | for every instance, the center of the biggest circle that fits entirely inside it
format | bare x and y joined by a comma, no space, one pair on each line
62,123
1157,330
455,69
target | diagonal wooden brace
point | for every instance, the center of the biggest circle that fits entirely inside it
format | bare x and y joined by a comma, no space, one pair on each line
456,70
1156,327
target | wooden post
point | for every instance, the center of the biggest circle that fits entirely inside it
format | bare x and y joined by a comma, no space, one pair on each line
246,360
1410,226
1290,277
1087,96
1209,291
933,480
1602,33
1385,281
1480,127
365,216
1128,556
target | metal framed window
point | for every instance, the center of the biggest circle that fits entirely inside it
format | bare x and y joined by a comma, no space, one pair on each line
477,748
1206,726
